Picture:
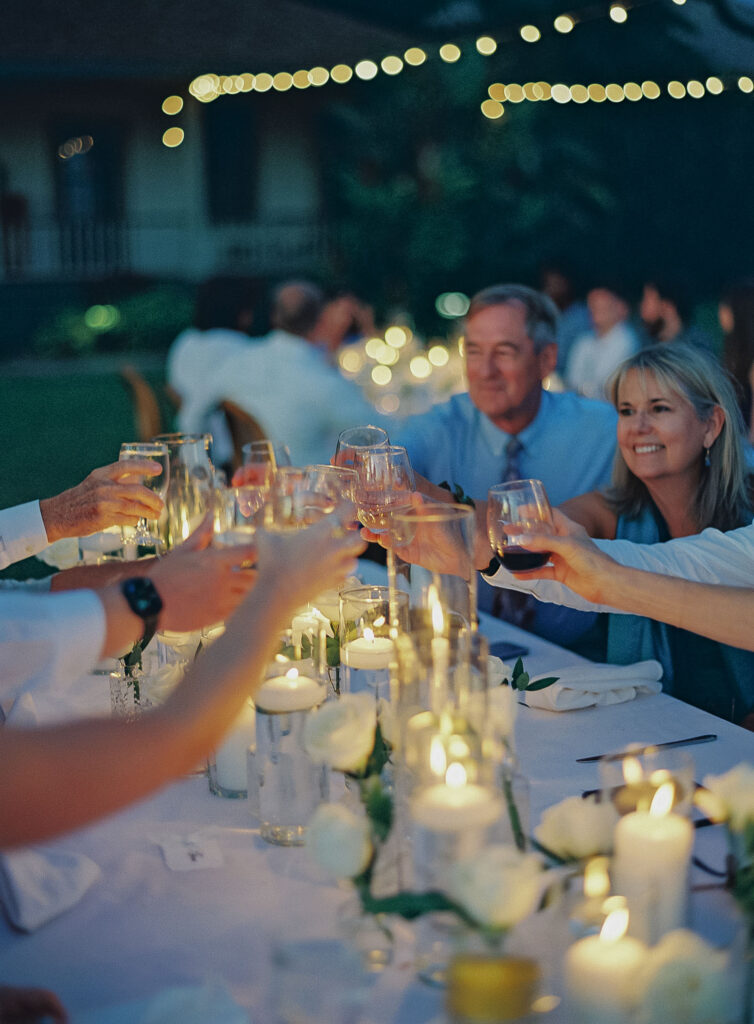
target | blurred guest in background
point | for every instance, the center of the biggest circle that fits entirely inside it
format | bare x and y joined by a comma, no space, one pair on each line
665,311
222,321
736,315
597,353
286,382
343,320
574,320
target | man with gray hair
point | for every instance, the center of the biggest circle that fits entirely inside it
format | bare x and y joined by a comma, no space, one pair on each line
507,427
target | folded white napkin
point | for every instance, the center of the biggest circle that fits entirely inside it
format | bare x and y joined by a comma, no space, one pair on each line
35,887
582,686
190,1005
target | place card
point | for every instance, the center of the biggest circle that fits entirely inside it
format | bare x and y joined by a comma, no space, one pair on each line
191,853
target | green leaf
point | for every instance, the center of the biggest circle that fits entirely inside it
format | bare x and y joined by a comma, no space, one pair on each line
541,684
379,807
521,681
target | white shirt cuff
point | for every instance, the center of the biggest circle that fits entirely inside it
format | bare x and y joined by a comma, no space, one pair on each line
22,533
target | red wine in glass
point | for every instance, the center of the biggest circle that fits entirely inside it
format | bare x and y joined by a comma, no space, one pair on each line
517,559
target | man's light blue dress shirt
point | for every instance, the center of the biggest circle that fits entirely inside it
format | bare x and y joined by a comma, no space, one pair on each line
569,446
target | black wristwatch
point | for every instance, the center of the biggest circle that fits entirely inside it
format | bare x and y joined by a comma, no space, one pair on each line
144,601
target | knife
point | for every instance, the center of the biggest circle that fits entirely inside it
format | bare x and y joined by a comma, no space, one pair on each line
707,737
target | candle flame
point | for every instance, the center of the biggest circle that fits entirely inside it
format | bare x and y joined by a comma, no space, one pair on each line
632,771
455,776
433,601
292,673
662,801
615,925
369,635
380,621
438,760
596,878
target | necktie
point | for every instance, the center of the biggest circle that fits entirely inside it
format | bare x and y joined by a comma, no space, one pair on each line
510,604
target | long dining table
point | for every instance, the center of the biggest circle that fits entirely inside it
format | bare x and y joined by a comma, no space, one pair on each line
144,928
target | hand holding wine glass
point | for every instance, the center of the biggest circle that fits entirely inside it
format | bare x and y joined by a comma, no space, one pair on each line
384,486
515,508
146,531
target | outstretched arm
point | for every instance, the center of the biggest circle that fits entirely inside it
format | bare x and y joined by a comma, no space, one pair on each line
722,613
58,778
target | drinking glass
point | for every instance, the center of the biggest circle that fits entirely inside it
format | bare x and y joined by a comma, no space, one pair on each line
293,502
261,460
238,512
338,479
190,485
146,532
384,486
520,506
355,439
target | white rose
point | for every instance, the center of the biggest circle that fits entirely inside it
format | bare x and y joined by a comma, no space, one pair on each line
684,981
157,686
339,841
733,793
341,733
61,554
576,828
498,887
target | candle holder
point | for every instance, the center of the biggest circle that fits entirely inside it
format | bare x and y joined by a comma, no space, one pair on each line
454,809
227,765
367,639
444,534
630,778
287,786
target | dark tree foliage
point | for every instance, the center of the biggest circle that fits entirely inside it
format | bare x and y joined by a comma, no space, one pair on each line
432,196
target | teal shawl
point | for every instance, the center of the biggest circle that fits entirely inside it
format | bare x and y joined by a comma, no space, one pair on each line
711,676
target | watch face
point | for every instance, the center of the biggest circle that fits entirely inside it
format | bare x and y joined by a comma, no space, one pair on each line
142,597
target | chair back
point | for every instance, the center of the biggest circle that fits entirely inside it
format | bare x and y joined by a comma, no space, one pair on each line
146,408
243,429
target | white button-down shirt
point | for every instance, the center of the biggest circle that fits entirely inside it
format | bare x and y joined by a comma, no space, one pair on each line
22,533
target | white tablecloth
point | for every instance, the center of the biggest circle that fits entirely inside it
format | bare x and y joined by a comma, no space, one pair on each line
144,927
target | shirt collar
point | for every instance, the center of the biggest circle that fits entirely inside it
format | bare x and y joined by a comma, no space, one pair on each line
497,439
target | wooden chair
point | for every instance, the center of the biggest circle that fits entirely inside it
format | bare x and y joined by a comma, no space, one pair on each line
146,407
242,427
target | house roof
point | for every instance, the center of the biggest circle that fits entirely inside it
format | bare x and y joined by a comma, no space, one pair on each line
112,39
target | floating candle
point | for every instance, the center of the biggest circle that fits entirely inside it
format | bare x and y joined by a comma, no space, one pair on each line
368,651
456,804
289,692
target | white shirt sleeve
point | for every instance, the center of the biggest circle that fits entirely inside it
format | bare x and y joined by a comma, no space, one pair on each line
22,533
708,557
48,639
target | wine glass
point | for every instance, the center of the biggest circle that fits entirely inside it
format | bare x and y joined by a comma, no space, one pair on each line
261,460
520,506
146,532
355,439
384,485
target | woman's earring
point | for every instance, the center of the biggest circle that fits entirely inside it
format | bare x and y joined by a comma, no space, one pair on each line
707,462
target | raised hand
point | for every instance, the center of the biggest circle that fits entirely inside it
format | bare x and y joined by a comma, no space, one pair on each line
109,496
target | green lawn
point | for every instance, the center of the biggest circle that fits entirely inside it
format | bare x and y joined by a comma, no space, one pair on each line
55,429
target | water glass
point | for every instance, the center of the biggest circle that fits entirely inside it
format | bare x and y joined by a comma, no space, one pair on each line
294,503
147,535
238,512
261,461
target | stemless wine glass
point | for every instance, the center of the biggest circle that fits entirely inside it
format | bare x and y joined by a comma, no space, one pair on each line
261,460
384,486
238,513
293,503
147,532
520,506
356,439
337,479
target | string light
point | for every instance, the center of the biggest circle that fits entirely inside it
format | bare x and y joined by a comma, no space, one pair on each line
208,87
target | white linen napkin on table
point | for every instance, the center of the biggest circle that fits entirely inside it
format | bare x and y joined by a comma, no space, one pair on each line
36,885
583,686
